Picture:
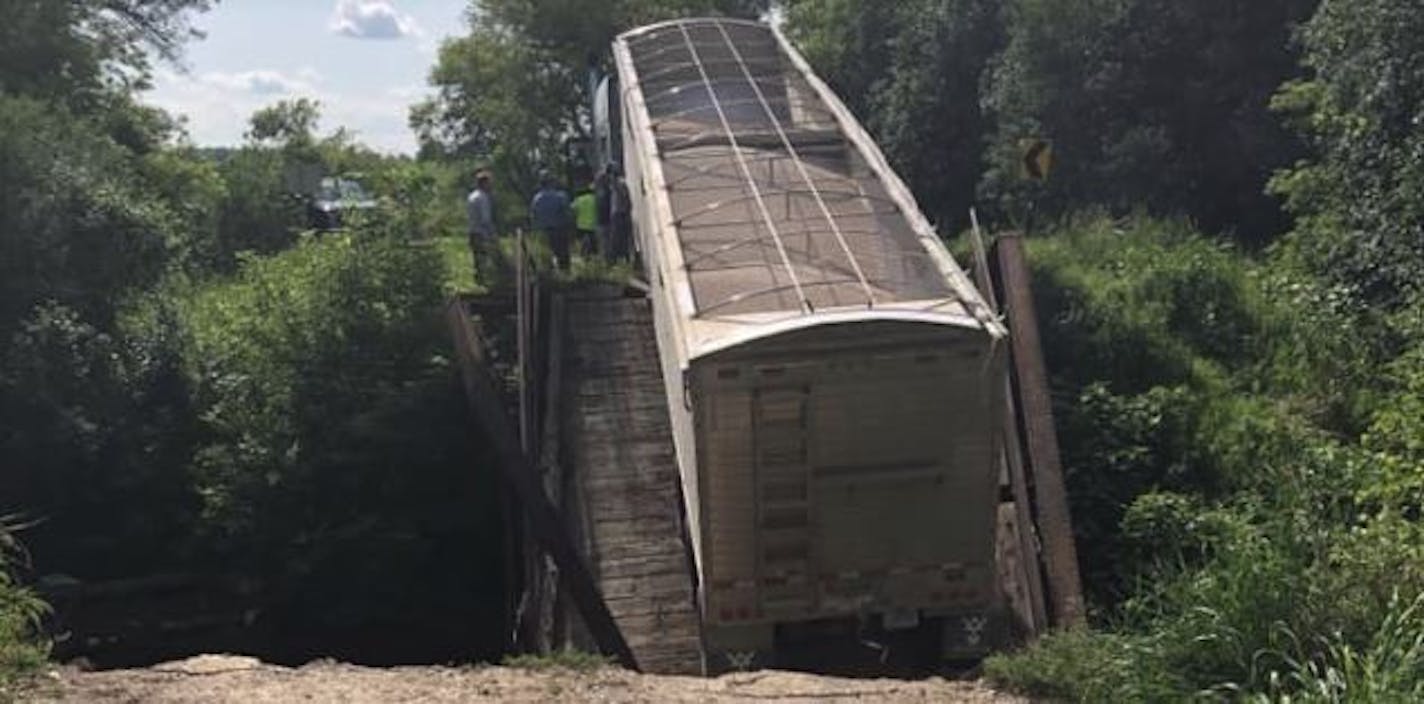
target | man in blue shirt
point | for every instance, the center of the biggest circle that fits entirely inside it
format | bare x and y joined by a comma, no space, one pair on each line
550,213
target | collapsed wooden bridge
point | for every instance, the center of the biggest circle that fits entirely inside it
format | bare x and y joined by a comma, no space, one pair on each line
599,557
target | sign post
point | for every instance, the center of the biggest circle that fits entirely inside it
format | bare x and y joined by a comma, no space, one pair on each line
1035,163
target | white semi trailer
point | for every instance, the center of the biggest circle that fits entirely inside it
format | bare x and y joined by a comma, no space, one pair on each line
835,382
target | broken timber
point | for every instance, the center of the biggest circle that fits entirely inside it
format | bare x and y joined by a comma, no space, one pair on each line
1019,571
523,478
1060,556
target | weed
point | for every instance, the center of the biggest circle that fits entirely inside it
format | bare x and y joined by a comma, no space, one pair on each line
566,659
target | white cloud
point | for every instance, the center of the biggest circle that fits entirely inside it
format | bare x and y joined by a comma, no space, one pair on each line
218,105
372,19
267,83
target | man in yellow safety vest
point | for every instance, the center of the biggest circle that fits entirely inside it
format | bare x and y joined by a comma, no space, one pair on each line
585,208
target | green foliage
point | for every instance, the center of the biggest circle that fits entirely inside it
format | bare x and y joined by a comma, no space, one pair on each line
76,224
511,92
296,421
84,52
94,424
1150,104
335,457
22,652
195,193
1359,200
266,184
489,110
566,659
272,344
848,42
425,198
1082,666
1211,410
290,124
258,214
91,418
1122,447
911,71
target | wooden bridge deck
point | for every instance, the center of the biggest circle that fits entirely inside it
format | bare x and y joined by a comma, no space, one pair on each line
618,446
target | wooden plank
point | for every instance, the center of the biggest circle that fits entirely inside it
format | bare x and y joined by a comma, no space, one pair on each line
1028,592
1041,440
520,475
620,442
551,458
1030,571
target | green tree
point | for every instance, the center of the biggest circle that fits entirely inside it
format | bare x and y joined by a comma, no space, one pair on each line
290,124
1360,199
511,92
849,42
267,180
911,72
86,52
94,212
77,223
490,110
335,462
1149,104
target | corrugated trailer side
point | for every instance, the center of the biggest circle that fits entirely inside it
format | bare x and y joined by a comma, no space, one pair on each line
848,470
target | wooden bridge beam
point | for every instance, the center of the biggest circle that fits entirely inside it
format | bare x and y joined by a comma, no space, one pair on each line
524,479
1060,555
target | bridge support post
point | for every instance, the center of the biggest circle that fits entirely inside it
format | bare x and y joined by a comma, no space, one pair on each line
544,524
1060,555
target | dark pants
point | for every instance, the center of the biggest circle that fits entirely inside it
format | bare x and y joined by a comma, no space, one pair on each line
485,251
620,238
588,242
559,243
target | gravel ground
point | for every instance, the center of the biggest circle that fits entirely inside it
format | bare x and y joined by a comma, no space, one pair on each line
224,679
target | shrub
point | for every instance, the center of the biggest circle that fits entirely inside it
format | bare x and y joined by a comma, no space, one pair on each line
21,650
1238,534
92,424
566,659
336,462
258,213
1082,666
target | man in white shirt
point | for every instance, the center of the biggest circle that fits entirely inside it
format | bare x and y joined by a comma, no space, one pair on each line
479,207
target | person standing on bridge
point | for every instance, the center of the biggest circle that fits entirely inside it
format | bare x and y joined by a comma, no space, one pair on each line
484,246
586,221
602,215
550,213
620,215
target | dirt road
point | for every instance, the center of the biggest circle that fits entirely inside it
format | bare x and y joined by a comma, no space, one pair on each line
212,679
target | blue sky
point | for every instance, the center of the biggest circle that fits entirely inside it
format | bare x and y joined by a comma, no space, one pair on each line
365,60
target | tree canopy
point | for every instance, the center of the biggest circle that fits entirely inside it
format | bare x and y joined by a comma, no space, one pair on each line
512,91
1360,198
911,71
85,52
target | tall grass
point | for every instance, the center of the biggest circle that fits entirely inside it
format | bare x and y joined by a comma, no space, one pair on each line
22,651
1236,522
1389,667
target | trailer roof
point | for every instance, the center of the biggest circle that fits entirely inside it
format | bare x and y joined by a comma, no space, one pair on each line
776,206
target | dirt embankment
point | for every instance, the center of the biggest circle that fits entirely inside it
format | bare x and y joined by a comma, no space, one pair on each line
212,679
